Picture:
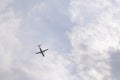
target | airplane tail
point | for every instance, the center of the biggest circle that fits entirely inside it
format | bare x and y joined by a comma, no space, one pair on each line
39,45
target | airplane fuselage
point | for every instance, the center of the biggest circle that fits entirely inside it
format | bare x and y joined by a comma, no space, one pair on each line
41,51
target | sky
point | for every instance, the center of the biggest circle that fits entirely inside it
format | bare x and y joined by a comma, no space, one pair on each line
83,38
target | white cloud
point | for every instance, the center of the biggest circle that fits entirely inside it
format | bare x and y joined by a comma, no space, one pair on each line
36,67
82,12
96,32
4,4
9,25
9,43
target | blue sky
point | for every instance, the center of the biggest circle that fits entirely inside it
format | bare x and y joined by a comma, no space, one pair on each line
83,38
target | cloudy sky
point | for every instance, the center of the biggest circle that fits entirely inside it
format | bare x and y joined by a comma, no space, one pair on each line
83,38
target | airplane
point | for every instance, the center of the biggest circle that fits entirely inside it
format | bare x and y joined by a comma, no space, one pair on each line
41,51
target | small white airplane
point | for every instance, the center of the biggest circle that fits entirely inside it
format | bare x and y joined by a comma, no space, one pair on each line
41,51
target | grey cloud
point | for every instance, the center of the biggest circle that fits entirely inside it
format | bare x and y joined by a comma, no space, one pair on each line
115,63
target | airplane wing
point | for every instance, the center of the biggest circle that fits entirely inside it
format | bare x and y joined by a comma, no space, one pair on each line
44,50
37,53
